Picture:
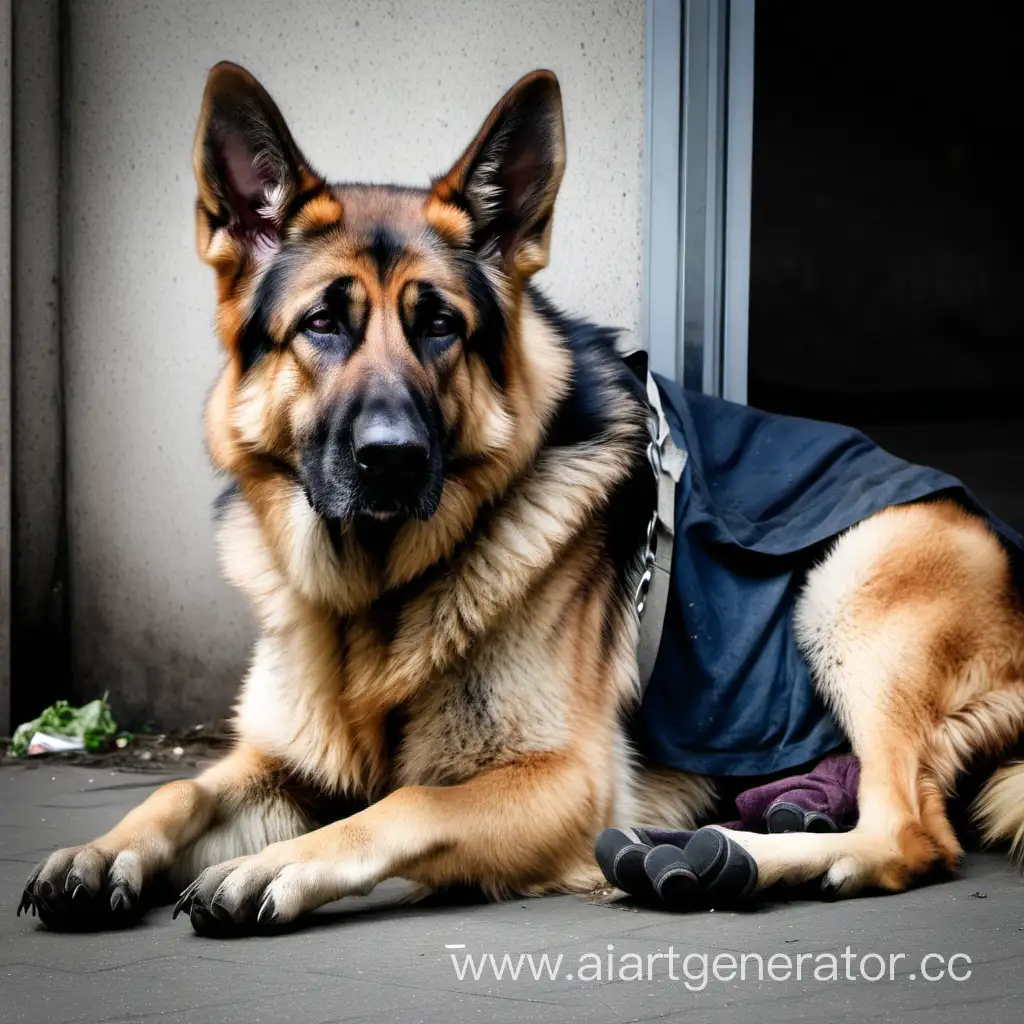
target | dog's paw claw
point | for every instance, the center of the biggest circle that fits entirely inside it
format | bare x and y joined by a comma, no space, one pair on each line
186,897
221,912
123,900
205,922
201,919
829,888
26,903
267,916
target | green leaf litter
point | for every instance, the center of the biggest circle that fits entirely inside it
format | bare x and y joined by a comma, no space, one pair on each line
93,722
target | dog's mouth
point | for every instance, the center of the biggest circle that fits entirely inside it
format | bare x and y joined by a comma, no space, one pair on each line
401,493
387,509
384,515
348,497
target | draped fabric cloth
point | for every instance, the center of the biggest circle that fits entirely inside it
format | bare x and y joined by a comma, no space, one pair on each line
761,498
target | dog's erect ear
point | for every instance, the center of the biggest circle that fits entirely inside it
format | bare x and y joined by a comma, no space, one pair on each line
247,167
509,176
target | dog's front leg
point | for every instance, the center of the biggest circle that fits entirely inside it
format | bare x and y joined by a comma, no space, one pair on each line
522,827
100,883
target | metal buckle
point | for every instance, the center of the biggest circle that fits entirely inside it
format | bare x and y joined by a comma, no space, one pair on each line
641,590
640,595
654,456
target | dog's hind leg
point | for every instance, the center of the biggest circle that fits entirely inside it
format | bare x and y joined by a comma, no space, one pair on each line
902,833
233,808
915,638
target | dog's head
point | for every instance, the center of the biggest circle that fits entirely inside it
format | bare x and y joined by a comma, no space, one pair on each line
371,330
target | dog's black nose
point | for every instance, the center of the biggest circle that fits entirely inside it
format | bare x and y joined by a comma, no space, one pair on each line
388,448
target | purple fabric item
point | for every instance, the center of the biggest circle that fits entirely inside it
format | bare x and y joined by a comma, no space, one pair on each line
830,788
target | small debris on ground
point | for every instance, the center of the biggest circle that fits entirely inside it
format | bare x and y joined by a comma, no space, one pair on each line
44,743
145,750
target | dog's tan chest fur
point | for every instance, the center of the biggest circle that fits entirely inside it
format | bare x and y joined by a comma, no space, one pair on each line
504,701
322,686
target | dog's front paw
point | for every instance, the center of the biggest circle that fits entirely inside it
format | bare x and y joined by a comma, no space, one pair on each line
249,894
83,887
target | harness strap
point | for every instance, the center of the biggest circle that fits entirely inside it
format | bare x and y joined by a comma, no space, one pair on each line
667,463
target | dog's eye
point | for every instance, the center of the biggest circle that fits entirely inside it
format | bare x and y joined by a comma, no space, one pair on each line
441,326
320,323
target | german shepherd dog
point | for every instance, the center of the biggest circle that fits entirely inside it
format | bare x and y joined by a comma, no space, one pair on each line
438,512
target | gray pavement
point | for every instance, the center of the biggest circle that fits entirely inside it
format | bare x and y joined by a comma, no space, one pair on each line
373,959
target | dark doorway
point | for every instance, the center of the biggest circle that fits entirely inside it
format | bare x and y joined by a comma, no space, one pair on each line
886,268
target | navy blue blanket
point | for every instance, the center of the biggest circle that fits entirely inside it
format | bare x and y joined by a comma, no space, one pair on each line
760,499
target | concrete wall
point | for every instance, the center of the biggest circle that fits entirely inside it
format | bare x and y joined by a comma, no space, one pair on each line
5,364
39,640
373,90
